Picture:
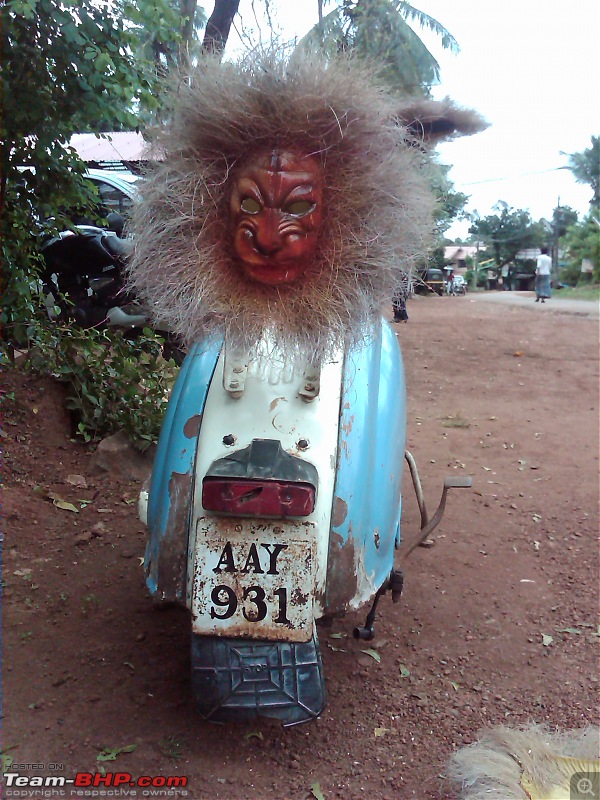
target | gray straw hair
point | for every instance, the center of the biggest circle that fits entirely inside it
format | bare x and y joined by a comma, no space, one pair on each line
376,198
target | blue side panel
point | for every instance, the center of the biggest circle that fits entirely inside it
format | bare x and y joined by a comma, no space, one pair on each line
367,495
172,483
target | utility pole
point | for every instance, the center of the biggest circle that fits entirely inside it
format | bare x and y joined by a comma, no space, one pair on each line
475,216
554,244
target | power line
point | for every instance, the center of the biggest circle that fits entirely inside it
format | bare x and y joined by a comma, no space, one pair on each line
512,177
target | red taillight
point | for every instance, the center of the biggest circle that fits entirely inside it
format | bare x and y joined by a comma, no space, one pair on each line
258,498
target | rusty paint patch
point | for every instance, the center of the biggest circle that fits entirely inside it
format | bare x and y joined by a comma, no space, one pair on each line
344,448
299,597
192,426
340,512
274,403
348,425
341,575
172,554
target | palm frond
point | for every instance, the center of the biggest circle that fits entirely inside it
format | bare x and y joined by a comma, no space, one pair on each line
381,34
410,13
324,36
380,31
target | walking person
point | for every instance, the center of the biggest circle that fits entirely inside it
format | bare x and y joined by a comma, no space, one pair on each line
399,299
542,276
399,305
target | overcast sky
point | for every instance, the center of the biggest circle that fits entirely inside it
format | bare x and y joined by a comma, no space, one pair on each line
531,68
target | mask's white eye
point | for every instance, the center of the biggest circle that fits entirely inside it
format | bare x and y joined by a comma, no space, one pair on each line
250,205
299,208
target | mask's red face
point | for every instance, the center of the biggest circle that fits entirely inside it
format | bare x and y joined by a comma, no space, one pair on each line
277,210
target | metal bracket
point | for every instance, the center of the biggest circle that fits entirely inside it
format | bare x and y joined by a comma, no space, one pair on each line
311,383
235,370
395,583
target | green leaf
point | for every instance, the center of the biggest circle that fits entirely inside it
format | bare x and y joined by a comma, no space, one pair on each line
317,792
110,754
25,8
102,62
7,759
547,639
373,653
65,506
404,671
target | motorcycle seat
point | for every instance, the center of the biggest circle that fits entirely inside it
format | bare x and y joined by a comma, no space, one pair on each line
121,248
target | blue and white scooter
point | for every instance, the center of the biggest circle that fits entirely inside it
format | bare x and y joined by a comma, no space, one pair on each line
275,501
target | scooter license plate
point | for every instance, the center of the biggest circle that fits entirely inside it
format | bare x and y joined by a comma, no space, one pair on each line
254,580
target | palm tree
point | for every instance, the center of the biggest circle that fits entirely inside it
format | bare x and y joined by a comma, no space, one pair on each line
585,167
379,31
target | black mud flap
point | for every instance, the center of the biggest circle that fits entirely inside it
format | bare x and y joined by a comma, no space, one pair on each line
235,680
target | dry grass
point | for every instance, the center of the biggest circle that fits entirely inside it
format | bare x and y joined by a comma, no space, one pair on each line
455,421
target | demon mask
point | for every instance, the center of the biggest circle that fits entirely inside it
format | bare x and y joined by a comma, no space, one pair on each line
276,212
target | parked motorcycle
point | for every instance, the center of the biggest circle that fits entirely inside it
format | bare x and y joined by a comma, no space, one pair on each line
83,277
455,285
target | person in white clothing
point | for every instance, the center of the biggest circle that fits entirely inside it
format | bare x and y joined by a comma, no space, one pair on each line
542,276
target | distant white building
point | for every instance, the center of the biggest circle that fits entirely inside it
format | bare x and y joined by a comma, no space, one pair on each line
457,255
529,254
112,150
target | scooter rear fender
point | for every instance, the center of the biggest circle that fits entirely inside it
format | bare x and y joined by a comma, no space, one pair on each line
365,523
171,493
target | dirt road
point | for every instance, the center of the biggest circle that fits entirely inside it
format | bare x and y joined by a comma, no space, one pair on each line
556,305
497,623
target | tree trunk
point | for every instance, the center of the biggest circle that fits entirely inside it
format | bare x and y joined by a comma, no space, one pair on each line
219,25
188,12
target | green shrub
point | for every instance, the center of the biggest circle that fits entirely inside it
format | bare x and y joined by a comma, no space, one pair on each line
114,383
570,274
